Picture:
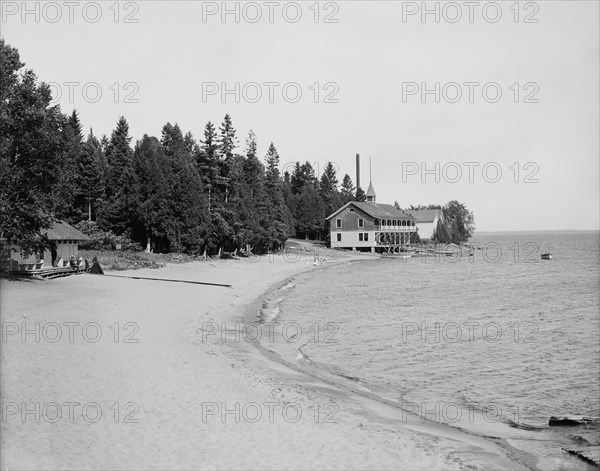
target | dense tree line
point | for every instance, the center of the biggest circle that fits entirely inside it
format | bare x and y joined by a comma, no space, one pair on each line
168,193
171,193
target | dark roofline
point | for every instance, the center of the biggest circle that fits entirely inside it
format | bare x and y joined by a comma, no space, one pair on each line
364,207
427,215
339,210
61,230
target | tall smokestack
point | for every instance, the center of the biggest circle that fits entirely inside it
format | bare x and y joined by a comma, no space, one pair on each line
357,171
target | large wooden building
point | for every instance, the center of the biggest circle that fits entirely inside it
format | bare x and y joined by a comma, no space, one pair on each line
370,226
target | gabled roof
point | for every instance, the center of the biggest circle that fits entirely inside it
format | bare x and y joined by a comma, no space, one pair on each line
371,190
426,215
375,210
60,230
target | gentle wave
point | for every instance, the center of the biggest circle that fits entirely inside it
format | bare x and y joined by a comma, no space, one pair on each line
517,342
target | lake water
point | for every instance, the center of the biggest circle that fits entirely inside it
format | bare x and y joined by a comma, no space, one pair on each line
495,343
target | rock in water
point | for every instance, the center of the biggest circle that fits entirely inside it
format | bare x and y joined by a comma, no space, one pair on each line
589,454
571,420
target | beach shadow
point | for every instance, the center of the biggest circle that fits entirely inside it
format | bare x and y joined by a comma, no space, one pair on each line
18,279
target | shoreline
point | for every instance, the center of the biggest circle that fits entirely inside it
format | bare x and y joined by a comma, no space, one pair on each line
476,451
503,447
177,372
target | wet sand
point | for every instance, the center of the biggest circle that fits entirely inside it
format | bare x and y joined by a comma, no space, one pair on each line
116,373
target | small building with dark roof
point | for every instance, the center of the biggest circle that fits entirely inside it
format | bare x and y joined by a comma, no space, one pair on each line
64,240
370,226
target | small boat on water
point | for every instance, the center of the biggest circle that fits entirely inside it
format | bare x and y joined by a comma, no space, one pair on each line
402,256
546,256
447,253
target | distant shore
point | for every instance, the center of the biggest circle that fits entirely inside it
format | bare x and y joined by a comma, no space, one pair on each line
107,373
535,231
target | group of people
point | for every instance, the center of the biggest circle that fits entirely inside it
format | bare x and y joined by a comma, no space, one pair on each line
73,263
77,263
96,268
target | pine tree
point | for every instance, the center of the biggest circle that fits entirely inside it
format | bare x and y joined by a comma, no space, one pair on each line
172,140
347,189
310,212
153,191
104,143
227,139
89,180
290,201
227,144
190,143
104,169
208,158
280,217
360,195
187,210
329,181
118,207
255,216
272,169
328,190
303,175
193,217
75,125
65,194
208,163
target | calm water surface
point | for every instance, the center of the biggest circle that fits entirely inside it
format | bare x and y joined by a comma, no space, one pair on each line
494,343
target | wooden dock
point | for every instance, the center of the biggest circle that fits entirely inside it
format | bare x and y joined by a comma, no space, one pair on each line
50,272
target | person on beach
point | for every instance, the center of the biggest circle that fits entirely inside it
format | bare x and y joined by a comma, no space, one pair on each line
96,268
53,253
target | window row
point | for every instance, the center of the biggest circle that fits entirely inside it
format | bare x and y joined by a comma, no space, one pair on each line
393,222
362,237
379,222
338,223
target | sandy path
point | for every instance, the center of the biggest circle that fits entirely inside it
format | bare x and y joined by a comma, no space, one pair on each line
156,395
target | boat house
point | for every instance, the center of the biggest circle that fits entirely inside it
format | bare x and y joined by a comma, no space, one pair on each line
370,226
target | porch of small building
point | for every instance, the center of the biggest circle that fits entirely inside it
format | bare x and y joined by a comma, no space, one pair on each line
49,272
40,265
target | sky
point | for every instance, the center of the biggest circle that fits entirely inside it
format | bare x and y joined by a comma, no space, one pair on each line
493,104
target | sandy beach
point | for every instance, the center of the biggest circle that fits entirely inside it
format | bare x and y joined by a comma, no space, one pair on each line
116,373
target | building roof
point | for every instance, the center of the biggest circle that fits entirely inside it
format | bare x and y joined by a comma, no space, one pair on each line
371,190
60,230
376,210
426,215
